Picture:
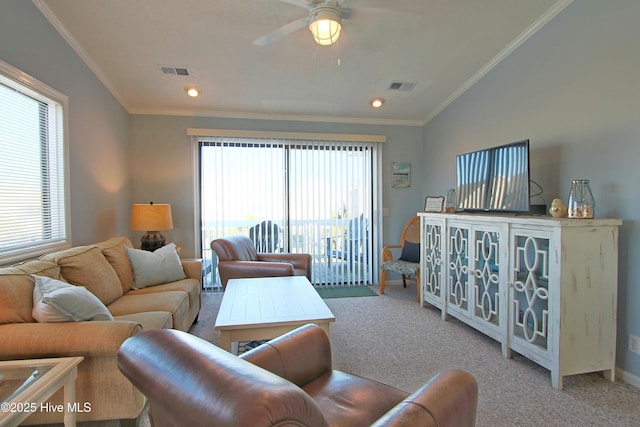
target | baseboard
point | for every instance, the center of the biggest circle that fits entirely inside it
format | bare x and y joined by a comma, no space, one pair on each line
628,377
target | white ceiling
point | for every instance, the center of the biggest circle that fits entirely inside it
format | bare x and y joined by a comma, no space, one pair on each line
443,46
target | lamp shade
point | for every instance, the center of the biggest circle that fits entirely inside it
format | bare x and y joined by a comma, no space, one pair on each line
325,25
151,217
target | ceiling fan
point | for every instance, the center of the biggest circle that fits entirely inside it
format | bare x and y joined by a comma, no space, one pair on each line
324,21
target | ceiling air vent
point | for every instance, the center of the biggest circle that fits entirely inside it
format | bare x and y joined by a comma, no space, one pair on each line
402,86
176,71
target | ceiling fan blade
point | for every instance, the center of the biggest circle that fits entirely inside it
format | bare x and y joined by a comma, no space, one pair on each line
285,30
299,3
377,14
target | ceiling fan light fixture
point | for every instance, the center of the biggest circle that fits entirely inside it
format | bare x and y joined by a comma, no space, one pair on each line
325,25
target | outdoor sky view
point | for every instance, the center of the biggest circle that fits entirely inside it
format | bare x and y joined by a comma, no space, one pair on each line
245,185
324,187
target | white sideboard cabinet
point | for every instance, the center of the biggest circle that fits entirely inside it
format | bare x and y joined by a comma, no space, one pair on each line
541,286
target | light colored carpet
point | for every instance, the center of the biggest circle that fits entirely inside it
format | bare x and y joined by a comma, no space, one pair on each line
394,340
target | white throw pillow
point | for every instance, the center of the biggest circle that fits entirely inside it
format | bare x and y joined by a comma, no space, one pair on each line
155,268
57,301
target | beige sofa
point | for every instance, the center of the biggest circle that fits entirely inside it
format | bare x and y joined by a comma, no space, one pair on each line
105,270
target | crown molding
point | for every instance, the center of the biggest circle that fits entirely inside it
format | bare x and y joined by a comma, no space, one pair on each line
553,11
55,22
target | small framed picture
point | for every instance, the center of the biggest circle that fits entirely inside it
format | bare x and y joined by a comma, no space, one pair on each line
434,204
400,174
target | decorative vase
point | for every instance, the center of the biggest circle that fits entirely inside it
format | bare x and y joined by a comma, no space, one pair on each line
450,201
581,201
558,209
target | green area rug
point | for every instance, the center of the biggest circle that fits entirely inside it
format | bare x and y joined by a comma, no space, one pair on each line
345,291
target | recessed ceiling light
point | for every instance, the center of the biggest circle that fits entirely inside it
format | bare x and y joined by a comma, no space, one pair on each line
377,102
193,91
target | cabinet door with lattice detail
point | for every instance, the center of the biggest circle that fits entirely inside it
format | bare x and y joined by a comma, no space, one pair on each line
431,263
457,268
530,295
487,279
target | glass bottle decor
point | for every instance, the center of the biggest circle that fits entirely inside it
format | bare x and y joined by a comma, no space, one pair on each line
581,201
450,201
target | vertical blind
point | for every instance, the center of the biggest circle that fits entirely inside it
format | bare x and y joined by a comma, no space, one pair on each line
318,196
32,175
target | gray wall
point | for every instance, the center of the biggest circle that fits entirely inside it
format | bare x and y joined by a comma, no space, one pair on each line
573,90
98,125
163,172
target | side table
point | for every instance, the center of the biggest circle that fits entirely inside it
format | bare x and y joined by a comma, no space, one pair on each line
26,384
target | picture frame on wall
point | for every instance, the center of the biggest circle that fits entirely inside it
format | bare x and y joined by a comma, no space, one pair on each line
400,174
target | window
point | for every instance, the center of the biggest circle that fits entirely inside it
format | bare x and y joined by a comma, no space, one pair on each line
33,205
294,195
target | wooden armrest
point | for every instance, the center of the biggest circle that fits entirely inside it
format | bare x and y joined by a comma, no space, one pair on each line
387,253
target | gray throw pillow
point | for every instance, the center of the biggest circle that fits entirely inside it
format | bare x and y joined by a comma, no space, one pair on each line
57,301
155,268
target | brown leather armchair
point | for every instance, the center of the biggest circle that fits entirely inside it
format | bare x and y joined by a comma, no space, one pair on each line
288,381
237,258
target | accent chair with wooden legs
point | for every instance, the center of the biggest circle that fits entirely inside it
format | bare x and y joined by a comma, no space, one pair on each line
408,264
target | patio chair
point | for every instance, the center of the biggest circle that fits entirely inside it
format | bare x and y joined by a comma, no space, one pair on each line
265,237
351,246
408,263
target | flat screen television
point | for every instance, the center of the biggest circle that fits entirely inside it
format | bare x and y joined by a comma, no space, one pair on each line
495,179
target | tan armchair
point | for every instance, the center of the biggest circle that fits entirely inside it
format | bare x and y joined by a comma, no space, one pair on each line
408,263
288,381
237,258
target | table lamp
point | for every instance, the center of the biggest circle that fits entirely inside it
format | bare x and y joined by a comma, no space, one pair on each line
151,218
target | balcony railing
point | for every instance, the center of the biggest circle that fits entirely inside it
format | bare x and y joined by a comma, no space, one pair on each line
341,256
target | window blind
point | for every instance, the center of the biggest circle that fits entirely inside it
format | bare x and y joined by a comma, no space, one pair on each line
32,173
320,196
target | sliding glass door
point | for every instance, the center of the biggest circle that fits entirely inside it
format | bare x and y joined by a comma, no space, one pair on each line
313,197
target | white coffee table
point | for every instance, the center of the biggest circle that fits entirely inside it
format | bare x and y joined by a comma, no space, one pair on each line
40,379
267,307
